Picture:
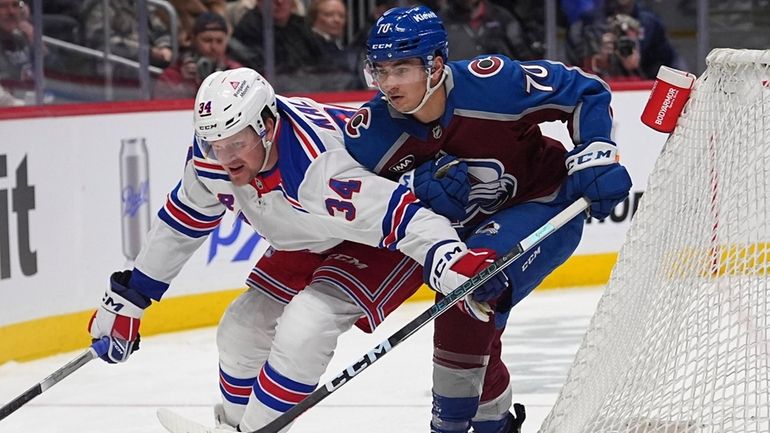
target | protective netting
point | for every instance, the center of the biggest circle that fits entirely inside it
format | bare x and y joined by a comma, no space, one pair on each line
680,339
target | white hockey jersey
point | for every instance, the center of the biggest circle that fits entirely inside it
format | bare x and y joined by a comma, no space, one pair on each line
316,197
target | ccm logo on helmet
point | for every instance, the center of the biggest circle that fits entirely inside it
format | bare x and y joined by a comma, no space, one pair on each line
207,127
381,46
359,121
486,67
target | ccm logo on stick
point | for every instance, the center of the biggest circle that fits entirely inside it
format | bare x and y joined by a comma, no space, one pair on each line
359,366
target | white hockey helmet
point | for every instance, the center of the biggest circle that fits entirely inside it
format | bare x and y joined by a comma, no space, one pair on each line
229,101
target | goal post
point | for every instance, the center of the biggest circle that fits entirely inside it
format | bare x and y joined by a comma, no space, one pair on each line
680,340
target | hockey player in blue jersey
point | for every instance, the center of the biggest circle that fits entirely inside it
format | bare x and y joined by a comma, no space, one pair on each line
464,136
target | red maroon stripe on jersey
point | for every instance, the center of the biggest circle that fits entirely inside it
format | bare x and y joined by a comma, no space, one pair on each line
208,165
187,220
397,219
310,149
263,282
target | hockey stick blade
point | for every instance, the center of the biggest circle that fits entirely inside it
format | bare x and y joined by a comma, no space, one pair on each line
315,397
176,423
97,349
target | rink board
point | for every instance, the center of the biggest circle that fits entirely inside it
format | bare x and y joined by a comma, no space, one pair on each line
61,188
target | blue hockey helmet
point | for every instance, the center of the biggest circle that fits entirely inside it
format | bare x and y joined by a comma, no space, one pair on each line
402,33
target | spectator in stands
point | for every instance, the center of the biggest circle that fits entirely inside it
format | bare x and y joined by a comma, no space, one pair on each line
16,71
60,20
617,55
205,55
327,20
380,6
189,10
124,32
476,27
236,9
295,47
576,10
357,46
655,48
531,15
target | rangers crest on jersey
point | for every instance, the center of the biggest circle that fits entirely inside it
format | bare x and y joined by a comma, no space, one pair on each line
360,120
486,67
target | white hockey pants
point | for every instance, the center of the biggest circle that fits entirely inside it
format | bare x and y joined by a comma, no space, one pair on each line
297,341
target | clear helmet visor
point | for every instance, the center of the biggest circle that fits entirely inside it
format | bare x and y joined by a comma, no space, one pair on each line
229,149
379,75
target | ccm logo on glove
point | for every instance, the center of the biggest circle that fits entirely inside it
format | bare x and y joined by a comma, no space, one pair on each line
443,261
595,154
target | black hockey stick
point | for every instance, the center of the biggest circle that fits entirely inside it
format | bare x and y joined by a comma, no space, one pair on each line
97,349
179,424
428,315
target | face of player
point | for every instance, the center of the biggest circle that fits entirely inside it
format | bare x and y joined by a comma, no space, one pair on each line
242,155
331,18
402,81
211,44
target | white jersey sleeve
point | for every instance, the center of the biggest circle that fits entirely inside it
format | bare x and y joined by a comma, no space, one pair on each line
190,213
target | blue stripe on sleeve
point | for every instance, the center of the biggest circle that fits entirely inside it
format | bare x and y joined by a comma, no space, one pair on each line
147,286
174,224
190,211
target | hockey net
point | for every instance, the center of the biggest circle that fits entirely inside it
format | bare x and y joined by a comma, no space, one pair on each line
680,341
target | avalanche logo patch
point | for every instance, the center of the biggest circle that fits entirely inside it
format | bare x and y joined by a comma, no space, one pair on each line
403,165
486,67
359,121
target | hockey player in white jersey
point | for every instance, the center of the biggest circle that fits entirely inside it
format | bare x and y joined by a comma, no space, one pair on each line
337,231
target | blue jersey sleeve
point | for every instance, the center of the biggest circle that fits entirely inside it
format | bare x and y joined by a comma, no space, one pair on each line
535,92
367,140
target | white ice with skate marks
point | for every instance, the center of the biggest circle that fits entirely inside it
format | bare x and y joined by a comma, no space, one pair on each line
179,372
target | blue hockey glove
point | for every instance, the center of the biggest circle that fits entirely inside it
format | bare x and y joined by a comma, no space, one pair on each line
594,173
443,186
118,318
451,264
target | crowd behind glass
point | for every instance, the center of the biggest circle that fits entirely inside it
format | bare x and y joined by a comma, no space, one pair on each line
92,50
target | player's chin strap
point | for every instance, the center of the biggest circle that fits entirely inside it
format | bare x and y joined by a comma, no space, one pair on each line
268,144
429,90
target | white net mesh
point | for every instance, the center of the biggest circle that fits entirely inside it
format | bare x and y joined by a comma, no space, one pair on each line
680,339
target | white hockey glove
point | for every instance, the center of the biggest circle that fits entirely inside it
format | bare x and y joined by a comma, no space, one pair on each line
118,318
451,264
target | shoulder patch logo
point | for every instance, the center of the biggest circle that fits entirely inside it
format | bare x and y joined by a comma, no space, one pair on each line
403,165
486,67
359,121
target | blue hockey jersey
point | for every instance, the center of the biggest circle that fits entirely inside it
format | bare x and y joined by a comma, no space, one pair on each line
493,109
